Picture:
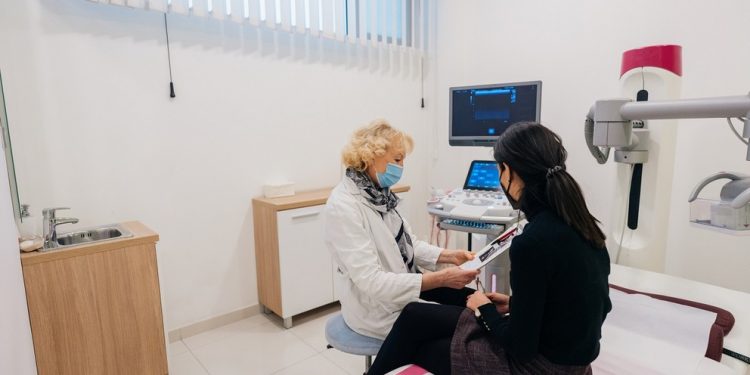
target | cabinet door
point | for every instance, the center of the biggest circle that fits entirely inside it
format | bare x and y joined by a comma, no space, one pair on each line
99,313
304,263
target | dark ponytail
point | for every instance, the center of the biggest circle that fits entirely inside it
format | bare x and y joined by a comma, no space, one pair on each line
537,155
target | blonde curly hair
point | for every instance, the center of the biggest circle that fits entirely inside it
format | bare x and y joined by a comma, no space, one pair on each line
373,141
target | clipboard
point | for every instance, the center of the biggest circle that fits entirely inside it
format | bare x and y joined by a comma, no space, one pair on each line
498,246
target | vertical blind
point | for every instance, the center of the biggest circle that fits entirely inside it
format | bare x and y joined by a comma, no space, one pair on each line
401,23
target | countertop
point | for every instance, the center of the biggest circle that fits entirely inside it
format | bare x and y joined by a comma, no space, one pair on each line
141,235
309,198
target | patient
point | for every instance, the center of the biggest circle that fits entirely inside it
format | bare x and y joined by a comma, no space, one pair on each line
559,270
375,252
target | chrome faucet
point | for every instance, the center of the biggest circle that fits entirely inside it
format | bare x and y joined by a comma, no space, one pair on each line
50,225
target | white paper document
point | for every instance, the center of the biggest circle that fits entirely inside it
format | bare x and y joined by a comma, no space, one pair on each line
498,246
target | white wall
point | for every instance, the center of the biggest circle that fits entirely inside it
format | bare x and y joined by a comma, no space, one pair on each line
16,347
575,48
94,129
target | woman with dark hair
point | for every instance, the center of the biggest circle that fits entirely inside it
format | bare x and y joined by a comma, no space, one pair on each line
559,270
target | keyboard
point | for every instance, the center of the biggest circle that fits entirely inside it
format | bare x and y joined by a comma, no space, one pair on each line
471,226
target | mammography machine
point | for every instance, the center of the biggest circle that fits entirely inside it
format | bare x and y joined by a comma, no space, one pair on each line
620,124
609,124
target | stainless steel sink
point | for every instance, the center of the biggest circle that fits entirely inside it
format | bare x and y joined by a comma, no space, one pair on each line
92,235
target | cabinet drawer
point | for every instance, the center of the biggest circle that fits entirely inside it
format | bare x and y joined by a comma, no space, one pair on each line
305,265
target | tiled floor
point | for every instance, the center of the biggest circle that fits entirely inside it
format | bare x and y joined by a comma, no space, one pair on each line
261,345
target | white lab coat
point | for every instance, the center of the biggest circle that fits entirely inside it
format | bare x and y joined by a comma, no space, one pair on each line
372,280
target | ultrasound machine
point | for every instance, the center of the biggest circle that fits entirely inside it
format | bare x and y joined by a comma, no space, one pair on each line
478,116
479,207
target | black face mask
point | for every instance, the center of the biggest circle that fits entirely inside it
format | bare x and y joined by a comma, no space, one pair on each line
513,203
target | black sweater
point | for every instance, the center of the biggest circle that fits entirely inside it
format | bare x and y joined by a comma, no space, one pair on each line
560,295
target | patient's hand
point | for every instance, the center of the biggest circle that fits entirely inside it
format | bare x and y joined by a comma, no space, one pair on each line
457,257
477,299
501,302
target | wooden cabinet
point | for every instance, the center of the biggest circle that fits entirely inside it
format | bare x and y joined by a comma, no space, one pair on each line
96,309
294,268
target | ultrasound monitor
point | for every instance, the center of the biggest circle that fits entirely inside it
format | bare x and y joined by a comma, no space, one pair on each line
479,114
483,175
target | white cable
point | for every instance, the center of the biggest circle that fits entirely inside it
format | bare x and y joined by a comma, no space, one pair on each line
734,130
625,219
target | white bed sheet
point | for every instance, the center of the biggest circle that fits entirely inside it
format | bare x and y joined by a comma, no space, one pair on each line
644,335
736,302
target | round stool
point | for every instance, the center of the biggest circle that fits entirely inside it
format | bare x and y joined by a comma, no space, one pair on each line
342,338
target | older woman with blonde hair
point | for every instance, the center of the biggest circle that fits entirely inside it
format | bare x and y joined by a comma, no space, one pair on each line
379,260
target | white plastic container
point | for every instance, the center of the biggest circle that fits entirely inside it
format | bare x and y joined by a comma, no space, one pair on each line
29,230
720,214
29,226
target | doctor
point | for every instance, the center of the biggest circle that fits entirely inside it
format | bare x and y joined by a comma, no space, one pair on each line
373,247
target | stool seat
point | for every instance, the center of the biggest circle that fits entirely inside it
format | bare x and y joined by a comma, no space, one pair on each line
343,338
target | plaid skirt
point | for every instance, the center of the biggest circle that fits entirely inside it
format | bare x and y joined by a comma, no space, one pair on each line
473,351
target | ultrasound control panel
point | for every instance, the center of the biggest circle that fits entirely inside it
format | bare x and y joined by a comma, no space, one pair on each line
474,205
479,207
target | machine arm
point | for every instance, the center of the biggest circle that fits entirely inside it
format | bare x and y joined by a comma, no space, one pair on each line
612,118
719,107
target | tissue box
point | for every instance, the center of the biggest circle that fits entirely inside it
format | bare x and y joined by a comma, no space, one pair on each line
278,190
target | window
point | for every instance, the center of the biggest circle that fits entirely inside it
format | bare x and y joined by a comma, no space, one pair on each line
387,21
393,22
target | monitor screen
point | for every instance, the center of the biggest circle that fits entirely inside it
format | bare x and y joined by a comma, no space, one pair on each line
479,114
483,175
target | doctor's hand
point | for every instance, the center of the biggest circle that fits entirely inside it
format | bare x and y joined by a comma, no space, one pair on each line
457,277
451,277
501,302
457,257
477,299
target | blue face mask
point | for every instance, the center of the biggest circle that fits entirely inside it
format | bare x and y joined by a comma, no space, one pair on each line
391,176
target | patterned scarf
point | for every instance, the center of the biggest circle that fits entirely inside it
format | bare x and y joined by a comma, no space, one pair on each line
384,201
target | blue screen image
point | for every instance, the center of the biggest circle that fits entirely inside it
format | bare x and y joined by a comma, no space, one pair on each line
483,176
489,111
